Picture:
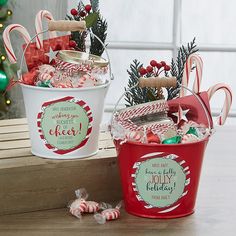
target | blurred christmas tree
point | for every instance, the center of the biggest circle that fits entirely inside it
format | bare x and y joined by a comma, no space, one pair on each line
6,70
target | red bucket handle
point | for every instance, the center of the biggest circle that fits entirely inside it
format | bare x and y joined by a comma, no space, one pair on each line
158,84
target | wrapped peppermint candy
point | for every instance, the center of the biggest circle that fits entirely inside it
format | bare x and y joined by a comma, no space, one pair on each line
108,213
78,206
81,205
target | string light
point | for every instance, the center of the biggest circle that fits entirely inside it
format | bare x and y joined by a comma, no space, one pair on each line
8,101
1,25
3,58
9,12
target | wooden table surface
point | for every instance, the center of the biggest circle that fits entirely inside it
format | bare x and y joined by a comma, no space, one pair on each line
215,209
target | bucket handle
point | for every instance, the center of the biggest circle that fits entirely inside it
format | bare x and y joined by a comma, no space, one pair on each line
66,25
165,82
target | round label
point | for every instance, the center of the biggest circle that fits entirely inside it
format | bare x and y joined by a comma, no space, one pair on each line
64,124
160,181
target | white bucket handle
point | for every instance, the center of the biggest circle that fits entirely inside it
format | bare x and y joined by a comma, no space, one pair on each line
209,130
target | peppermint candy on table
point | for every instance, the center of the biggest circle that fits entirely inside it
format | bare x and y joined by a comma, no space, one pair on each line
77,207
91,207
107,215
111,214
189,138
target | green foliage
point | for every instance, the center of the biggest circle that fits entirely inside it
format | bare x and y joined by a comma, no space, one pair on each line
138,95
95,5
100,30
98,26
141,95
177,67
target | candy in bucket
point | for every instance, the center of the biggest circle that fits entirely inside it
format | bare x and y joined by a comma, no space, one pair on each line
64,118
160,147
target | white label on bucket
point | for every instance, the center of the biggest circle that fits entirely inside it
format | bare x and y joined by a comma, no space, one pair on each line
65,124
160,182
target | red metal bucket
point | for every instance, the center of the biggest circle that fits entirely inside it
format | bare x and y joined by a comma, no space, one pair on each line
160,181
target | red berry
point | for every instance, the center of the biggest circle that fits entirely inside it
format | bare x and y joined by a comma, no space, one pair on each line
153,63
149,69
142,71
88,8
72,44
166,68
159,65
74,12
82,14
163,63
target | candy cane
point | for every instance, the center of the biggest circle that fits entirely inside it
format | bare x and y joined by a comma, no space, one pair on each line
227,103
39,27
197,61
7,42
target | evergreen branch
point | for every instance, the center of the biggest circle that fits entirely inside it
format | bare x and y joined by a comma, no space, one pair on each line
177,67
100,30
95,5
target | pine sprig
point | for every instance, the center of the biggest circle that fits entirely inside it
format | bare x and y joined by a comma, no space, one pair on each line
141,95
137,95
100,30
95,5
177,67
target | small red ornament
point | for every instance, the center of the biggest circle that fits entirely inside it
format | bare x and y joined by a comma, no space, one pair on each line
163,63
159,65
166,68
149,69
82,14
88,8
72,44
142,71
153,63
74,12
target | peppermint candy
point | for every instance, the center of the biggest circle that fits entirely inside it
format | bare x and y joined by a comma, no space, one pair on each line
189,138
77,207
107,215
91,207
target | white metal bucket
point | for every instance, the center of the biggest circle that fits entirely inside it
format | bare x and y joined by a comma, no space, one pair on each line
64,123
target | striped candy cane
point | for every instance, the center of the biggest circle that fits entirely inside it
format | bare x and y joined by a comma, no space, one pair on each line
227,103
39,27
7,42
197,61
